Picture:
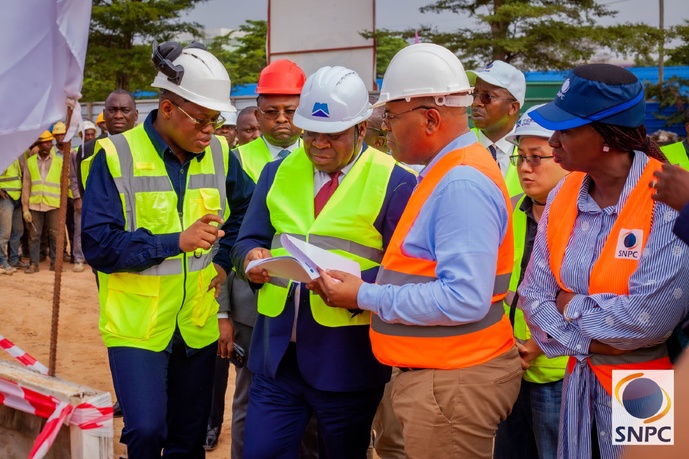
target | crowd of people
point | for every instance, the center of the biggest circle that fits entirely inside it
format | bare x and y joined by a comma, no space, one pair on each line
494,301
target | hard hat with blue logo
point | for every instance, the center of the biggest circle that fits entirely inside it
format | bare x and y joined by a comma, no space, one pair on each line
528,127
332,100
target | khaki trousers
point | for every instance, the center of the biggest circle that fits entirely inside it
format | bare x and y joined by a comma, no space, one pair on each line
455,413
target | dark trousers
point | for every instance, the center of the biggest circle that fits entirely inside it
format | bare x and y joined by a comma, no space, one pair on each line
165,399
41,220
280,409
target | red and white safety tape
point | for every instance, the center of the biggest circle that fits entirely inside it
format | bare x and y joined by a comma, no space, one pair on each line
23,357
94,417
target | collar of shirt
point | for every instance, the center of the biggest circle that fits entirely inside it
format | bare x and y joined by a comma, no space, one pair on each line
462,141
527,207
157,141
274,149
503,149
320,178
586,203
47,158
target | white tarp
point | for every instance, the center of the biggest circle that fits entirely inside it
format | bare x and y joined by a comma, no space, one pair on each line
41,65
315,33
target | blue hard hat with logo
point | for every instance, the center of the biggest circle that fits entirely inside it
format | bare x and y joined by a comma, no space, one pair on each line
602,93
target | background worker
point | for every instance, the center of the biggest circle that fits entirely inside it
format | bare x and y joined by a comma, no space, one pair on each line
229,129
89,134
102,125
41,198
59,131
119,115
306,357
155,198
11,224
279,86
531,430
437,301
499,91
247,125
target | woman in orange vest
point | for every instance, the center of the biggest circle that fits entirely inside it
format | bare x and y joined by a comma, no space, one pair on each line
608,281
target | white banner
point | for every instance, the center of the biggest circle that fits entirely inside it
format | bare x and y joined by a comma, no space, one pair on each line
42,64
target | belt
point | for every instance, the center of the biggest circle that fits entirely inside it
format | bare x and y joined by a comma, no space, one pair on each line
405,369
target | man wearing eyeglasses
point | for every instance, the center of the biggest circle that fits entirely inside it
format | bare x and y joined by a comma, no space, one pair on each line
436,306
155,200
499,91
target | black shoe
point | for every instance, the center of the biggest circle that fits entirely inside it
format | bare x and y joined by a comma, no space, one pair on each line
116,410
19,264
212,438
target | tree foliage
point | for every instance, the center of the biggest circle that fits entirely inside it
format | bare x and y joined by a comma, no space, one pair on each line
680,54
535,34
120,37
248,58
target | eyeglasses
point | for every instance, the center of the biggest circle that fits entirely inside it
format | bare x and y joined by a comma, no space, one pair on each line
387,117
275,114
201,123
486,98
534,161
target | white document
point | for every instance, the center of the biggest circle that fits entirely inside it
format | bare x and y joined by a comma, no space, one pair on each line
303,262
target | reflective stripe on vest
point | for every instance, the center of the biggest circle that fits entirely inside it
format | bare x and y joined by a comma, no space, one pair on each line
541,369
608,274
444,347
345,225
676,153
45,191
11,180
143,309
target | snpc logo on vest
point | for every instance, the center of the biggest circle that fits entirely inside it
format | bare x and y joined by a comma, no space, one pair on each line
629,244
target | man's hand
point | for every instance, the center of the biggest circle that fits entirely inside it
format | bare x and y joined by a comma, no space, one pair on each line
257,275
672,186
218,280
201,234
527,352
226,340
339,289
27,216
3,194
77,204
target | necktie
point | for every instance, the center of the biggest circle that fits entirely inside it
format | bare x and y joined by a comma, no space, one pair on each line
325,192
493,152
283,154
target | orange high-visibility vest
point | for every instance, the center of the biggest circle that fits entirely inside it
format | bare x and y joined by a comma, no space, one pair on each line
444,347
609,274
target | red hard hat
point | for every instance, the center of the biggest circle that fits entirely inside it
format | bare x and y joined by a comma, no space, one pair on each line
281,77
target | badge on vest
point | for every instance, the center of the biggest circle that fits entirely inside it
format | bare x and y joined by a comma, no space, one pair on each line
629,244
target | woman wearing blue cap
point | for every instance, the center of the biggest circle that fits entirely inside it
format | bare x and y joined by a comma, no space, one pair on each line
608,281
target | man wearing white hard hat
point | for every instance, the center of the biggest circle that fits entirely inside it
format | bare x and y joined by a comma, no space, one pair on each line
499,91
531,429
158,198
436,307
339,194
229,129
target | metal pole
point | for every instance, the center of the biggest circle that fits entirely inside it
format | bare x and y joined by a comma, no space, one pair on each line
661,51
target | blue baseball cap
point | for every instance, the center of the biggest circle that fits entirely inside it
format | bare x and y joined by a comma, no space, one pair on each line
601,93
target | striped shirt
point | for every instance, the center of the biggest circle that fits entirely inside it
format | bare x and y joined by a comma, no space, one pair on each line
657,300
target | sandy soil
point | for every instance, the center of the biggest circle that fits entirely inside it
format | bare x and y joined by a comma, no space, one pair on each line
26,310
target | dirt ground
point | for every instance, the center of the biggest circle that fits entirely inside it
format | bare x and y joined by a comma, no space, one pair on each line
26,310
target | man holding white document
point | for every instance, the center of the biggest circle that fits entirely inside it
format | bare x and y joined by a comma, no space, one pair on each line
338,194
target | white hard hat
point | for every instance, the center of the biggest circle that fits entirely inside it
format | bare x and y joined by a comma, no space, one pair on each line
526,126
333,99
426,69
89,125
194,74
230,118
